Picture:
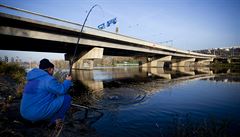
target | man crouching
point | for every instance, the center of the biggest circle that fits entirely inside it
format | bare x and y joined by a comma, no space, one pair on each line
44,98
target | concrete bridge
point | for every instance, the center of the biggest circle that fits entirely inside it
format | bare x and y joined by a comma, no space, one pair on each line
24,34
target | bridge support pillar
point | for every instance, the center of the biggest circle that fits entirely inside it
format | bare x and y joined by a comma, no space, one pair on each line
83,64
182,62
157,63
204,62
229,60
86,58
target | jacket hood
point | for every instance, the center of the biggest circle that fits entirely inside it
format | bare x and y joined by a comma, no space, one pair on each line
36,73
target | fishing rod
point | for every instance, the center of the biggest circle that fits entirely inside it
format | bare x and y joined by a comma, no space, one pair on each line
79,37
73,58
65,21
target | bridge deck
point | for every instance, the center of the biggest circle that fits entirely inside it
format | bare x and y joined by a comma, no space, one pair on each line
30,35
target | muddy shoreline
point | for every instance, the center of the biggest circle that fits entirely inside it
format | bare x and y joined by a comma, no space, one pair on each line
11,122
77,122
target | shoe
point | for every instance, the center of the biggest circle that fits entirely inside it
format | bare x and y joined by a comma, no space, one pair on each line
58,128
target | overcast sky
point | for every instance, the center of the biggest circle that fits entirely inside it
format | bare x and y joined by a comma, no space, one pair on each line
190,24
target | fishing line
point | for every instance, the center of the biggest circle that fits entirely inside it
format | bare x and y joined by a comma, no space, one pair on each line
75,51
79,37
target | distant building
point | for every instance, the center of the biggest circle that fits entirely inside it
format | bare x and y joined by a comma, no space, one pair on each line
222,52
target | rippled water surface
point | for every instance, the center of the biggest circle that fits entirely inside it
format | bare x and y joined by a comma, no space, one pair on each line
145,102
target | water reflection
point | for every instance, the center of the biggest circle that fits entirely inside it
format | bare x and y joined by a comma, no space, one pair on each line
160,72
117,86
122,93
87,78
99,79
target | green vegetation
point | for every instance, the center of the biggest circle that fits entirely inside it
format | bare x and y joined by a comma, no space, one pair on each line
13,70
14,73
235,65
113,61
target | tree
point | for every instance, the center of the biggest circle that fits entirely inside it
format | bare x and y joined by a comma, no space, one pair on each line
6,58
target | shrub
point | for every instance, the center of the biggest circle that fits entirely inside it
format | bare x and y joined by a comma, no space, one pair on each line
15,72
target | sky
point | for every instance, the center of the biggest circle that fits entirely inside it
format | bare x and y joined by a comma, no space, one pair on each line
189,24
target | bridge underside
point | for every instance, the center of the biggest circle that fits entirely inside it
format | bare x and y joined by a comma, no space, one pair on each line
22,34
28,44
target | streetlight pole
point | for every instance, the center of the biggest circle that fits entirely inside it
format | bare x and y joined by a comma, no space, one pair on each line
79,37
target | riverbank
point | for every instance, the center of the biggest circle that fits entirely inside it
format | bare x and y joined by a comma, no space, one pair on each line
235,65
84,123
12,81
77,122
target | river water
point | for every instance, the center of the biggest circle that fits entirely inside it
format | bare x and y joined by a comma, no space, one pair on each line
143,102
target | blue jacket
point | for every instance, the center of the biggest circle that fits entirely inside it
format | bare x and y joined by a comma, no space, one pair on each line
43,95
